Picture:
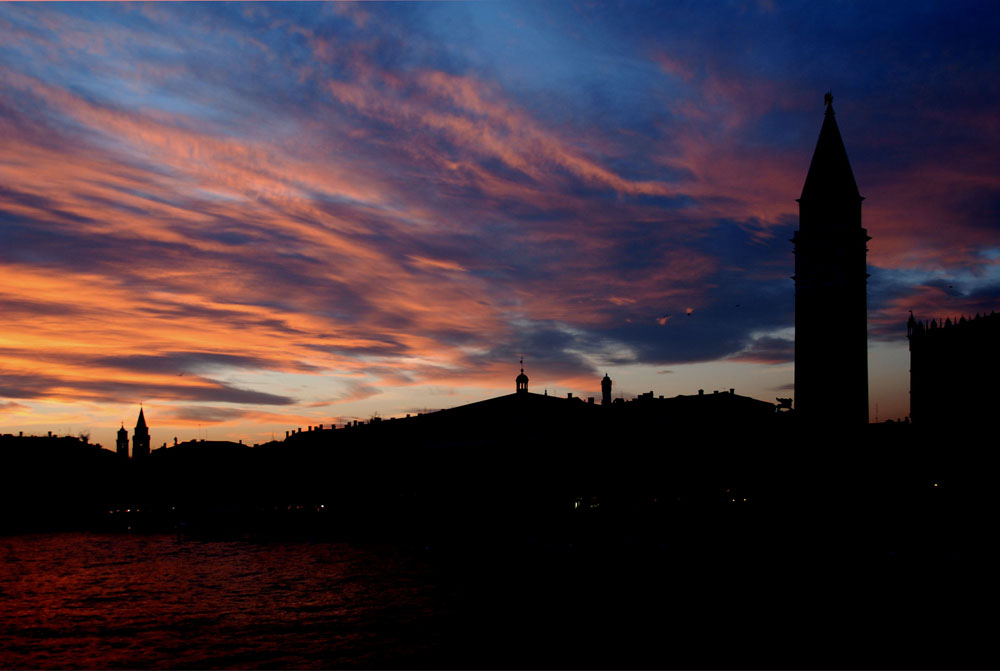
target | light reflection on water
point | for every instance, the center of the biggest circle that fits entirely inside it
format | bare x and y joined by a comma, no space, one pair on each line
92,600
134,601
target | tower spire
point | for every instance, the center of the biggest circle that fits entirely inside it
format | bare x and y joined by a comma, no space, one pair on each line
830,178
140,438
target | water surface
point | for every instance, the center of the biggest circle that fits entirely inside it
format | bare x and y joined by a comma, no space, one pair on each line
148,601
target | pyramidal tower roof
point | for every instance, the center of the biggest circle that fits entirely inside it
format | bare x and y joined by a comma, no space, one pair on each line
142,420
830,176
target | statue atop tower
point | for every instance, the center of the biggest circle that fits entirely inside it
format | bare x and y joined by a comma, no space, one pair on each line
831,301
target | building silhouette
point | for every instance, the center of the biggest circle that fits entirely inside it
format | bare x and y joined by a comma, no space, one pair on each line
692,413
831,305
140,438
953,370
544,421
122,443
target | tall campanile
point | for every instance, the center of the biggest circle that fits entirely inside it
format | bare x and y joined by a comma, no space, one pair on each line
831,300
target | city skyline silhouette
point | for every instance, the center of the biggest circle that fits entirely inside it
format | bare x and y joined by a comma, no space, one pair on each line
831,354
498,335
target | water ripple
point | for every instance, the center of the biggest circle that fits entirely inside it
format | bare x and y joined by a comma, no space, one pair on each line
109,601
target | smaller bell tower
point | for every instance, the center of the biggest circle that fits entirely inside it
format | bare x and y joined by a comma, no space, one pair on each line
122,447
140,438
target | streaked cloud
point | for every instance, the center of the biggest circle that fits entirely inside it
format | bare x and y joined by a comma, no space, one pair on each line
253,214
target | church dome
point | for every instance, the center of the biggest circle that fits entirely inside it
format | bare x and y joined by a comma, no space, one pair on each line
521,381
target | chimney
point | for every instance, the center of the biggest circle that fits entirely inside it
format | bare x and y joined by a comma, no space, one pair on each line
590,400
716,391
732,391
569,395
319,428
701,392
286,433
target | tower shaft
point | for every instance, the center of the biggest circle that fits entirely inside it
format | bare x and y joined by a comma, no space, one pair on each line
831,300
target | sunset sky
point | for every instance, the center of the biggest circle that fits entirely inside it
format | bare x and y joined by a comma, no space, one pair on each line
256,217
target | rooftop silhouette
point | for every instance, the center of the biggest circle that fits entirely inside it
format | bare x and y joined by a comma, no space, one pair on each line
953,369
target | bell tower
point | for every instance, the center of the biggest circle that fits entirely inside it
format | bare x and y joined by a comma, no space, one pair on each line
140,438
122,445
831,300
